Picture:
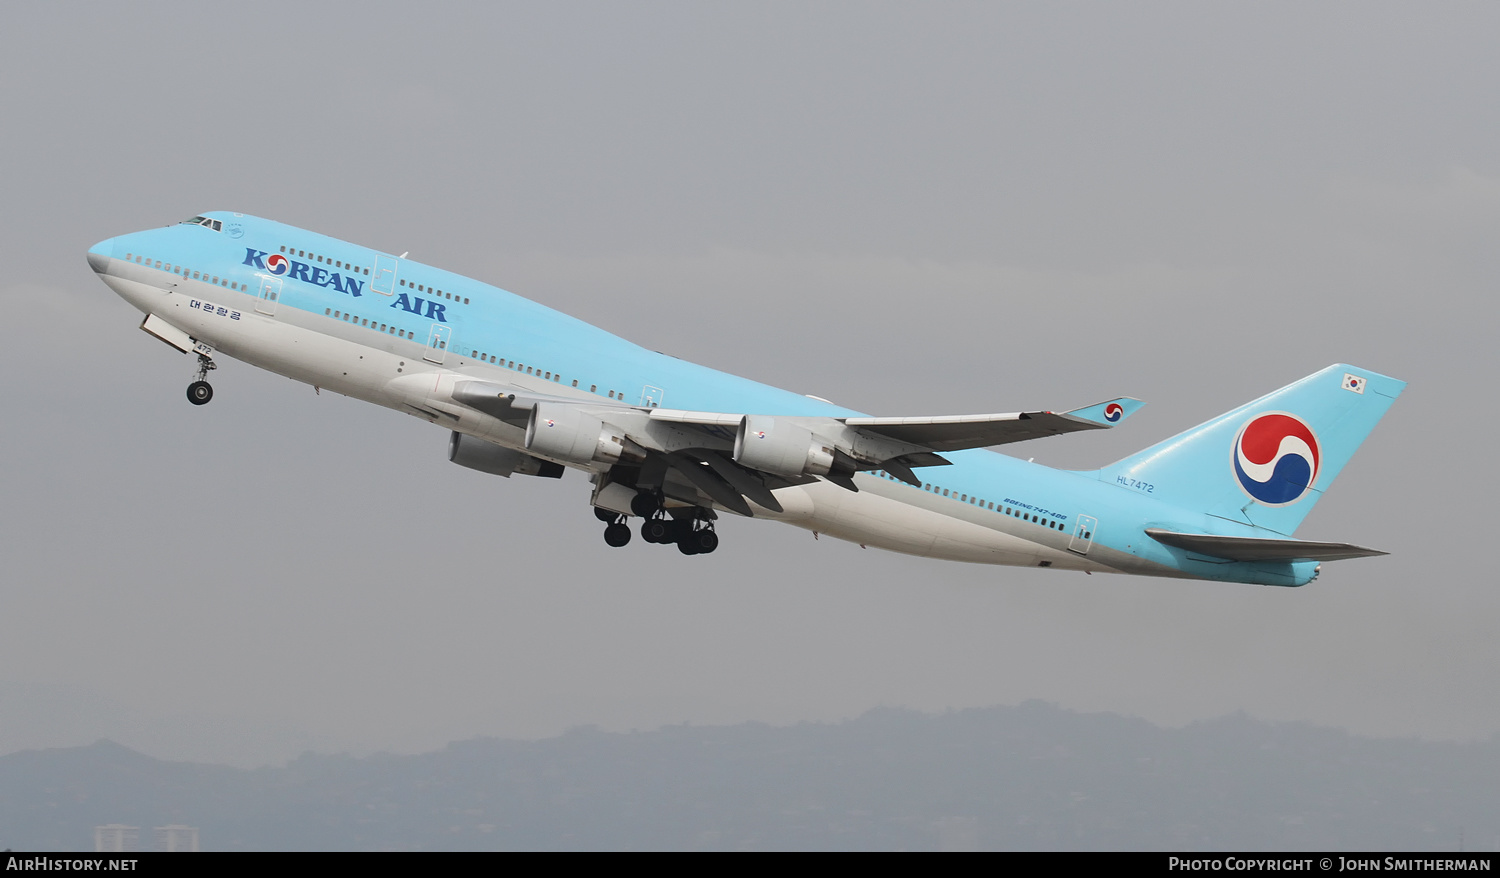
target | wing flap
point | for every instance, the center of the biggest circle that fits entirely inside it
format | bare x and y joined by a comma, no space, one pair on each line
1258,549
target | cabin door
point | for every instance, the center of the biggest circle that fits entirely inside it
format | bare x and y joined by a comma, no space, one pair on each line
1083,534
383,281
270,293
437,342
651,397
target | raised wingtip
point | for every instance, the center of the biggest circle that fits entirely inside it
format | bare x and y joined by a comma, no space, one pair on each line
1108,413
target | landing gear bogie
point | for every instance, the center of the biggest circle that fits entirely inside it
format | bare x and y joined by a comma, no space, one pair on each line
692,534
617,534
646,504
656,530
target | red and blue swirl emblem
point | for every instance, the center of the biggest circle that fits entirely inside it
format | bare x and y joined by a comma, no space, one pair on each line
1113,412
1276,458
277,264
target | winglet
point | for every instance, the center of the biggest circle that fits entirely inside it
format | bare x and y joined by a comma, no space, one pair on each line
1107,414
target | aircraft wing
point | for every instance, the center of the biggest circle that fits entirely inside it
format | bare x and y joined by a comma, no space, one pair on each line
957,432
1259,549
715,454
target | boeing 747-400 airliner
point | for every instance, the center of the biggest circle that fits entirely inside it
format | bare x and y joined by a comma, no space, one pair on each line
525,389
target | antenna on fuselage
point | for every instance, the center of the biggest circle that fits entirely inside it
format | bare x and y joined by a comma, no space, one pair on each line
403,255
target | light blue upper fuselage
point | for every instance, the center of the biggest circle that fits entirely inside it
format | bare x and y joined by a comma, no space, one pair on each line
335,282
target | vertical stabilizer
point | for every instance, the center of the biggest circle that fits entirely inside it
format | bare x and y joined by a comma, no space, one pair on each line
1267,462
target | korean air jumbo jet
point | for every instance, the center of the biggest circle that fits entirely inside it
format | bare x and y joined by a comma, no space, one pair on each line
527,390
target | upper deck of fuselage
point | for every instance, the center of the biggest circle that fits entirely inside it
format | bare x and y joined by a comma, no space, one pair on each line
320,273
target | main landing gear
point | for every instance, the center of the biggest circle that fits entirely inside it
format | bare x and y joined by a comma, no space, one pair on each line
200,391
692,533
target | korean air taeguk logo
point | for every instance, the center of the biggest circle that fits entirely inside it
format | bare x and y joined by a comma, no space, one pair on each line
1276,458
1113,411
277,264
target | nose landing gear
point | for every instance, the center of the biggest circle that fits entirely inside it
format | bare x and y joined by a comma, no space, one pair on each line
200,391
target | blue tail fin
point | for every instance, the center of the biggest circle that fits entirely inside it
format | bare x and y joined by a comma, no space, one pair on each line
1267,462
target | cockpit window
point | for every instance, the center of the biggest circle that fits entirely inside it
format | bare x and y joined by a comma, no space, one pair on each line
205,222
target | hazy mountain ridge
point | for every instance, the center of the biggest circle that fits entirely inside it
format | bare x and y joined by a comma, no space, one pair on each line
1031,776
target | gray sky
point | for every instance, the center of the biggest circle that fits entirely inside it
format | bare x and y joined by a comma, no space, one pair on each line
907,209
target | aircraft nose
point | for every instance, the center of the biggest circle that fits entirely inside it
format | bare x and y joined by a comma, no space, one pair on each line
100,254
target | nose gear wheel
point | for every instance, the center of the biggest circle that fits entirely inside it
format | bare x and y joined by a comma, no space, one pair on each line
200,391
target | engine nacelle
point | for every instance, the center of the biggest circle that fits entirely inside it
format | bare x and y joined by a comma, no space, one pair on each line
487,457
562,432
781,447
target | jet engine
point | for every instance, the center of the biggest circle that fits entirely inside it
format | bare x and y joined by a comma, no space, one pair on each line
781,447
498,460
562,432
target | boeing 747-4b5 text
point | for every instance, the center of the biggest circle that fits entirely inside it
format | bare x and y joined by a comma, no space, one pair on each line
525,389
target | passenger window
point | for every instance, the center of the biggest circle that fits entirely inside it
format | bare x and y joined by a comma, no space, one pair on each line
593,388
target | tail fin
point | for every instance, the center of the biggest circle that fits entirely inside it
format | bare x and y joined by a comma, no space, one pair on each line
1267,462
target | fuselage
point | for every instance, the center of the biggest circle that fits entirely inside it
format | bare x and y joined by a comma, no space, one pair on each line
401,334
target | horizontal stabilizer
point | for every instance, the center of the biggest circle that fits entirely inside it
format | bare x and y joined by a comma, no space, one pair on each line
1258,549
957,432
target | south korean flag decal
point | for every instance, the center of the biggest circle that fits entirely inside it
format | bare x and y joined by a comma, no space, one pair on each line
1354,383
